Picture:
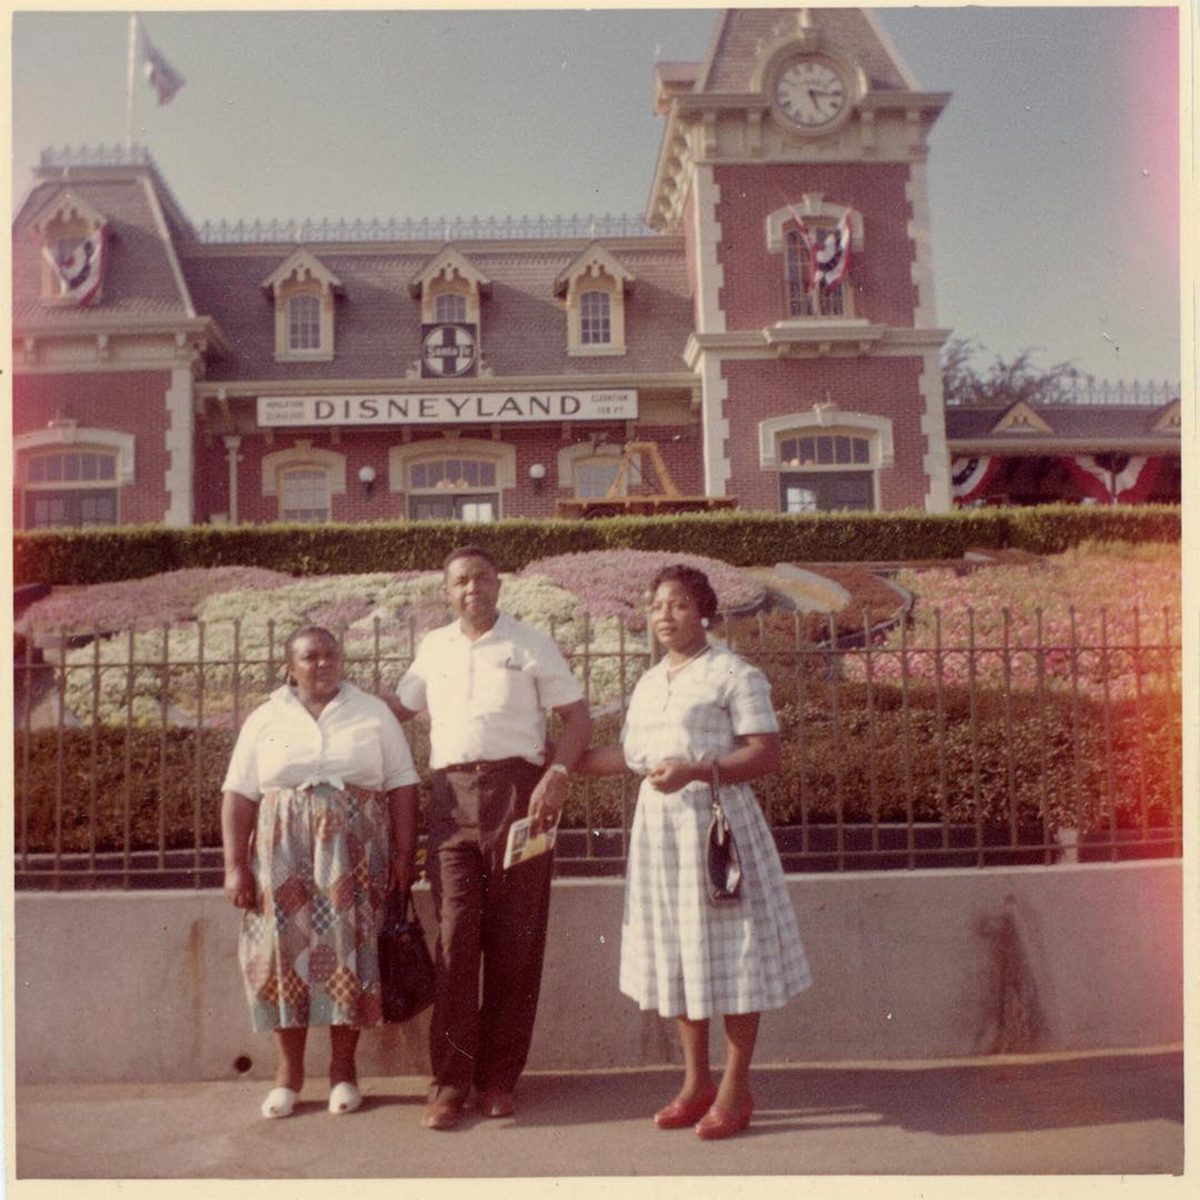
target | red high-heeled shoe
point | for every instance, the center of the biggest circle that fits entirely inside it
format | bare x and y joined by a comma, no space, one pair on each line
680,1112
721,1122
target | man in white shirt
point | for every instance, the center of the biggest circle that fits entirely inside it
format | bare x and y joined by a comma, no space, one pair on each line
487,681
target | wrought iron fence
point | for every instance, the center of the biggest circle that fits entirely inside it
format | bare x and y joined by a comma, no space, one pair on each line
914,748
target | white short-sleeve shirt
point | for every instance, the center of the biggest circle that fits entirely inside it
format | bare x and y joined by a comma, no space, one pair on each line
488,698
356,739
696,716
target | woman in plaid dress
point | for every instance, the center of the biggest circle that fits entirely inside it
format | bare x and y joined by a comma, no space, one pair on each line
681,955
307,835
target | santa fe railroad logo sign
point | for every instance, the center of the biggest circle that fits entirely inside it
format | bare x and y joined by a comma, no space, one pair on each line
447,350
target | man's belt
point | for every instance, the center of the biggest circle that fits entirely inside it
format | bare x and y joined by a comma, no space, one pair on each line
480,765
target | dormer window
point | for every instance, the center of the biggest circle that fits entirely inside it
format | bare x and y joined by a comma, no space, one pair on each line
594,288
450,288
595,318
304,322
449,306
304,290
71,234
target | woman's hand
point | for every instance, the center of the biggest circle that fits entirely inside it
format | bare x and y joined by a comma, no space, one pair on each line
239,886
672,774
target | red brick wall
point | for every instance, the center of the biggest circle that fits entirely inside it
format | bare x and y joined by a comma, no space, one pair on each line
881,276
886,387
126,401
536,444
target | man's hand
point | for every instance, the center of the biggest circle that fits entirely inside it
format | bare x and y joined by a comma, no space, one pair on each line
546,803
402,874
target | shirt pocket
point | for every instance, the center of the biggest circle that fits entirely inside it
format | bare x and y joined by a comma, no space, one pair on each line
502,686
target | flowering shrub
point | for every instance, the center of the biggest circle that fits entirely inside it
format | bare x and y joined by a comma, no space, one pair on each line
143,603
614,583
1074,616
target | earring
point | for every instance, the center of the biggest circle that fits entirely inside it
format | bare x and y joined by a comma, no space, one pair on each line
703,622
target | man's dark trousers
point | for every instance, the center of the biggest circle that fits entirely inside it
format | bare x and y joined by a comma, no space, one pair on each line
484,912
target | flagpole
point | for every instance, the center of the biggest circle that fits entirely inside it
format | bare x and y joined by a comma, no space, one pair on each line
130,73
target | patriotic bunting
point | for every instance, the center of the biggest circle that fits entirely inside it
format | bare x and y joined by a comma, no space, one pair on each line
827,252
77,263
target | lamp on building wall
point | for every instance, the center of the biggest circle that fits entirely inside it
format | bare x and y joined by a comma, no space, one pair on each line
537,473
366,476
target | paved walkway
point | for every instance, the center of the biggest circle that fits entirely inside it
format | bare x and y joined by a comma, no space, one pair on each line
1108,1115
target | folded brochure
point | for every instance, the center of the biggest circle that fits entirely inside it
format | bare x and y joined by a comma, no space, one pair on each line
523,846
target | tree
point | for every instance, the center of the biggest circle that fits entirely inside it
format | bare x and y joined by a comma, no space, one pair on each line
1004,383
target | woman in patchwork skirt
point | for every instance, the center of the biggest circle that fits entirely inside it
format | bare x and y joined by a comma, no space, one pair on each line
312,849
680,954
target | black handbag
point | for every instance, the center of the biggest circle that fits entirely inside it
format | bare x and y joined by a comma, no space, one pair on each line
406,971
724,875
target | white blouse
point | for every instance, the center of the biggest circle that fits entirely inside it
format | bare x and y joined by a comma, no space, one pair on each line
356,739
696,716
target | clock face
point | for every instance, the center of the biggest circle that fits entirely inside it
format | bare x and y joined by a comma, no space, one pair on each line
810,93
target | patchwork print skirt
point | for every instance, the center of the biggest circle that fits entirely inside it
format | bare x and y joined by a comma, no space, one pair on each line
308,949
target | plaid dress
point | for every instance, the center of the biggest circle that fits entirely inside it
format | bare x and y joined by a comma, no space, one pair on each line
680,954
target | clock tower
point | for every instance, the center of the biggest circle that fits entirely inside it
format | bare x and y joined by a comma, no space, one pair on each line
793,165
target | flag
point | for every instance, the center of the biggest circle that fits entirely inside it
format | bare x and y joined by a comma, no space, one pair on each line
160,75
77,263
808,265
833,254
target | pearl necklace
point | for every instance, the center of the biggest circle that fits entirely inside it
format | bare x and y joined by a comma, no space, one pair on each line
673,671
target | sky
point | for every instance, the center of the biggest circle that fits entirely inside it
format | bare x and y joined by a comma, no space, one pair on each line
1053,171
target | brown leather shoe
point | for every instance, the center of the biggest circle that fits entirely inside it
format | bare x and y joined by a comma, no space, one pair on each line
496,1102
442,1114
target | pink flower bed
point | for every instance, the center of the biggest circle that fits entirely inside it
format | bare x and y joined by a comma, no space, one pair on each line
145,603
615,583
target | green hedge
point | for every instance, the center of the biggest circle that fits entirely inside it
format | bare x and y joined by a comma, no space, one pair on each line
836,761
72,557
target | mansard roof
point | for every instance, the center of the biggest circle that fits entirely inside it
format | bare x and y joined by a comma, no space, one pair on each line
743,36
524,328
141,277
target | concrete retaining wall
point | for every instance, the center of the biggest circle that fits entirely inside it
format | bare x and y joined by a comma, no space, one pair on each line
925,964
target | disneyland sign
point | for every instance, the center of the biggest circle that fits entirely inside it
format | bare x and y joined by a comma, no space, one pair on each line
446,408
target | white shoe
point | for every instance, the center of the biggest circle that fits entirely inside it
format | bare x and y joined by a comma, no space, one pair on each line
279,1103
344,1098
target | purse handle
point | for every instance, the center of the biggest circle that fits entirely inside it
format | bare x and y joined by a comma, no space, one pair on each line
714,783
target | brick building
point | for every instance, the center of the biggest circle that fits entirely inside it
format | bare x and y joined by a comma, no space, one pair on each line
770,326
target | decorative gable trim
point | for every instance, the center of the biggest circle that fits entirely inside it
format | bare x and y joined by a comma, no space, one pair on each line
1021,417
595,270
450,272
68,209
300,275
1168,419
301,266
448,264
593,263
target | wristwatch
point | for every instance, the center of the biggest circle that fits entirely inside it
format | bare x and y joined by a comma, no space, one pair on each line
560,769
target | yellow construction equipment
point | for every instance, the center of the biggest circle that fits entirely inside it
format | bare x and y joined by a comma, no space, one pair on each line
668,499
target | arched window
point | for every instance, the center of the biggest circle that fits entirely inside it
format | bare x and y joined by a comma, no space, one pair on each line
595,318
71,487
304,493
449,306
805,298
304,322
453,489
